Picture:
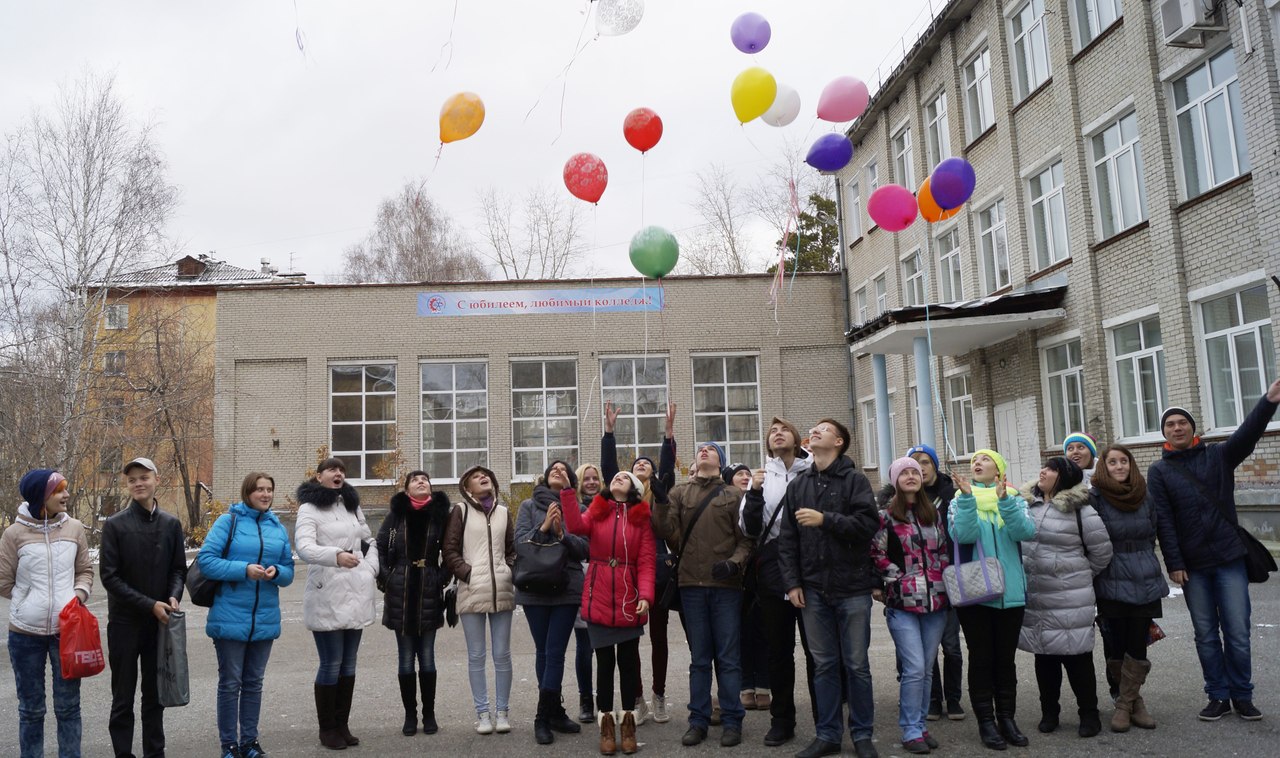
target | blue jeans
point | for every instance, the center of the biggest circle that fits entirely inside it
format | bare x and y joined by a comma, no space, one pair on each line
419,647
241,666
713,622
1218,597
582,661
500,633
916,637
839,634
551,626
337,650
27,654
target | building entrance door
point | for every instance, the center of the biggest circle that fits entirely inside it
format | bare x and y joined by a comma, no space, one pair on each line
1017,438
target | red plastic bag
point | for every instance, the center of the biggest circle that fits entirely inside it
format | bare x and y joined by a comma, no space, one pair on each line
81,646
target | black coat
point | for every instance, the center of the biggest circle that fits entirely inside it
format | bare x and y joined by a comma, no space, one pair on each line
835,558
410,574
143,559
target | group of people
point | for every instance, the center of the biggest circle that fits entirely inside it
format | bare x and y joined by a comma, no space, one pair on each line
598,554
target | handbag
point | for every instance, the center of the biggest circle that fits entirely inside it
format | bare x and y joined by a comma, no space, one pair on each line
200,589
1154,633
1258,561
974,582
79,644
451,603
670,596
173,680
541,567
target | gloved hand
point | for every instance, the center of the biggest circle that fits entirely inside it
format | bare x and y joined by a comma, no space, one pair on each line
724,570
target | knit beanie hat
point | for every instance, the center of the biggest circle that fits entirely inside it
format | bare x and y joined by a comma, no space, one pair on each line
1174,410
719,451
933,454
573,478
728,472
1001,466
652,466
900,465
1069,474
637,486
36,486
1084,439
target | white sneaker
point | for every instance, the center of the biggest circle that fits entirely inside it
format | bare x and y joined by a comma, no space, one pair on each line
660,715
484,725
642,711
504,725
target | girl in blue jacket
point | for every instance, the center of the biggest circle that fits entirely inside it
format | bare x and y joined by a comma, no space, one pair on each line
247,549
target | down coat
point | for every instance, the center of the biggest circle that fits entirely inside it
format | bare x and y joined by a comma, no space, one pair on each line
411,575
1134,574
42,564
1060,562
248,611
622,562
480,550
330,522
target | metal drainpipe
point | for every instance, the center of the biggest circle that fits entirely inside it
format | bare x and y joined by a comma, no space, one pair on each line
848,304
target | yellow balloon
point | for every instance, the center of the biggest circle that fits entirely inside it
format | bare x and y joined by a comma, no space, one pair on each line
752,93
461,116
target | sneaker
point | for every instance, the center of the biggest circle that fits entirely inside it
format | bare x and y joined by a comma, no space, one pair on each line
916,746
865,749
660,714
503,726
694,736
818,748
1215,710
484,724
642,711
252,750
779,735
730,737
935,711
1246,710
954,711
231,751
930,741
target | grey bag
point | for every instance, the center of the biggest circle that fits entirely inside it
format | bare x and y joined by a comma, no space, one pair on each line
975,582
172,678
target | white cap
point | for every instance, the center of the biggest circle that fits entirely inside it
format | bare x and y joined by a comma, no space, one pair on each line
146,463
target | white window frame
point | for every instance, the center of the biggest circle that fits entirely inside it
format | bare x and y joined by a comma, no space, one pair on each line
914,285
903,170
960,425
950,267
870,434
634,446
457,400
988,237
1049,213
853,206
1030,39
1238,142
365,452
732,448
1242,404
115,316
1073,373
1108,168
937,134
978,100
1152,353
547,391
1093,17
881,284
860,299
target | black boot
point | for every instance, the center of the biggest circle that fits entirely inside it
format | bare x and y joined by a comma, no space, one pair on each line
1009,728
330,737
1048,718
342,708
988,732
408,696
556,716
1090,723
541,724
427,681
587,709
1006,705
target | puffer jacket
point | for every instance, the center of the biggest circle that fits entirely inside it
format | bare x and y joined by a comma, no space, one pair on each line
758,509
142,560
1134,574
715,537
411,575
998,540
246,610
42,564
532,513
330,522
911,566
480,551
623,558
1061,561
835,558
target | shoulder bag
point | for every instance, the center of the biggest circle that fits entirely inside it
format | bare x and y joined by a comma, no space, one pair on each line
541,567
1258,561
200,588
975,582
670,597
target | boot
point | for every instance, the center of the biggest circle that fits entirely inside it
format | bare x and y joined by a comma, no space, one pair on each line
586,709
1133,674
427,682
541,724
330,737
1048,717
1090,724
342,708
628,732
408,696
988,732
1012,734
608,737
556,716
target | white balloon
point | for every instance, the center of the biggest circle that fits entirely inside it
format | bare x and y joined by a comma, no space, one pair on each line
617,17
785,108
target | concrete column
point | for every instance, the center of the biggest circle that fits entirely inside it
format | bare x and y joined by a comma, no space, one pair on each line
884,442
924,392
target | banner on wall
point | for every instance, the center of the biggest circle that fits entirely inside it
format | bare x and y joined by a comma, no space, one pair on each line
523,302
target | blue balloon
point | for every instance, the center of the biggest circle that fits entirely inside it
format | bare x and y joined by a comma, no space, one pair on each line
952,183
830,152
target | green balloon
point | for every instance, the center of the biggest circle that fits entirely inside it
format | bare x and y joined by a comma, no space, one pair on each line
654,252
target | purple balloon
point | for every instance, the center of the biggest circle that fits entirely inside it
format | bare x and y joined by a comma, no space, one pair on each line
952,183
750,32
830,152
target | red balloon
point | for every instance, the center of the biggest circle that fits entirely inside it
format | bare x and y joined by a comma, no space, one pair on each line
586,177
642,128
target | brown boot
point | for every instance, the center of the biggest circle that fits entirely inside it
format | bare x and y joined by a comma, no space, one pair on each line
608,738
628,732
1132,676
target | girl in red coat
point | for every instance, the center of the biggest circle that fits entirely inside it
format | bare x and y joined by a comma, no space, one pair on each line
617,593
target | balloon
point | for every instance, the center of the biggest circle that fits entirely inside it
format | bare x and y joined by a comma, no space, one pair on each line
785,108
929,209
952,183
461,116
642,128
654,252
893,207
586,177
753,92
844,99
830,152
617,17
750,32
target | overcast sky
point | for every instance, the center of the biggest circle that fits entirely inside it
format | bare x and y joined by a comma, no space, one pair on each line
281,151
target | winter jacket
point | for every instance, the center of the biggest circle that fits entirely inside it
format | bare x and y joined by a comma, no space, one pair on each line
835,558
943,492
909,558
1134,574
1194,532
622,558
660,485
1061,561
246,610
411,575
42,564
758,509
532,512
330,522
480,550
999,541
142,560
715,537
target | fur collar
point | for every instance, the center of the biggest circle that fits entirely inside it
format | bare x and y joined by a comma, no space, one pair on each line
602,507
438,506
1067,501
321,496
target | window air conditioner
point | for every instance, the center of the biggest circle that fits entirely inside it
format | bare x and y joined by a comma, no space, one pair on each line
1185,22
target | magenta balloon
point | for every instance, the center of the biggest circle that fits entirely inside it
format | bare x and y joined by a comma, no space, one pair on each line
750,32
952,183
844,99
892,207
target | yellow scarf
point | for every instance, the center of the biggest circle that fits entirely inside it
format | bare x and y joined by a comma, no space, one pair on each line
987,499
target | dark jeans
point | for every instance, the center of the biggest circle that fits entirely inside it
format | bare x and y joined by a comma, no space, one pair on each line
241,667
416,647
582,661
130,645
1084,682
27,654
755,648
338,650
626,655
781,620
991,635
947,683
1218,599
839,636
551,626
712,623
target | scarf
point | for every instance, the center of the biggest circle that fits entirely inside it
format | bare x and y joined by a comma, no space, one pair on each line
487,503
988,508
417,504
1128,496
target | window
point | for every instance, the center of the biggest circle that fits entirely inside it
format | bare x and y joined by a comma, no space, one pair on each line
1117,168
913,285
937,139
1049,216
111,459
637,387
1030,48
455,418
949,265
1064,375
1139,366
726,405
860,300
853,209
873,178
116,316
870,441
902,168
362,420
1240,353
1093,17
979,108
544,415
882,295
961,421
1210,126
113,363
995,247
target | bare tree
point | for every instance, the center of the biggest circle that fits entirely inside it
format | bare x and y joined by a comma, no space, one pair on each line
540,240
413,240
720,246
787,183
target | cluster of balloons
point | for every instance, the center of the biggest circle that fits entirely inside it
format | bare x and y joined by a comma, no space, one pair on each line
939,198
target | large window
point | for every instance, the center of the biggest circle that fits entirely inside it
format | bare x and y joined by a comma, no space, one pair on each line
853,209
1093,17
995,247
726,406
637,387
1030,48
1049,216
903,171
1117,168
1239,350
544,415
937,138
362,420
116,316
950,278
913,289
961,411
979,108
455,418
882,294
1064,375
1139,366
1210,125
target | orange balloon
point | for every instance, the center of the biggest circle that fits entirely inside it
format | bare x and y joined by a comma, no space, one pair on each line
461,116
929,208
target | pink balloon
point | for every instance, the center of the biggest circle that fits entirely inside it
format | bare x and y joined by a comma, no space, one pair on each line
844,99
892,207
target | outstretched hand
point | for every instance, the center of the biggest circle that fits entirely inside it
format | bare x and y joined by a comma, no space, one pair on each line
1273,392
610,417
670,429
962,484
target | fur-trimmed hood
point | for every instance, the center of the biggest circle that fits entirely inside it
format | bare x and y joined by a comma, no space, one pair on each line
312,491
601,507
438,506
1068,501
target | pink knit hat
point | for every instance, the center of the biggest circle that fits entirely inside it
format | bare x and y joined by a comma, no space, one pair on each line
900,465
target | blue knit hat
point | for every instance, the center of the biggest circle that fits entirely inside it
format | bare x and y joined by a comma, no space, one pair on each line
933,454
34,488
724,461
1084,439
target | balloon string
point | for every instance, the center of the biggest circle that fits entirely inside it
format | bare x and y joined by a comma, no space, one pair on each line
749,142
644,296
448,44
642,165
439,152
806,134
578,47
299,37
